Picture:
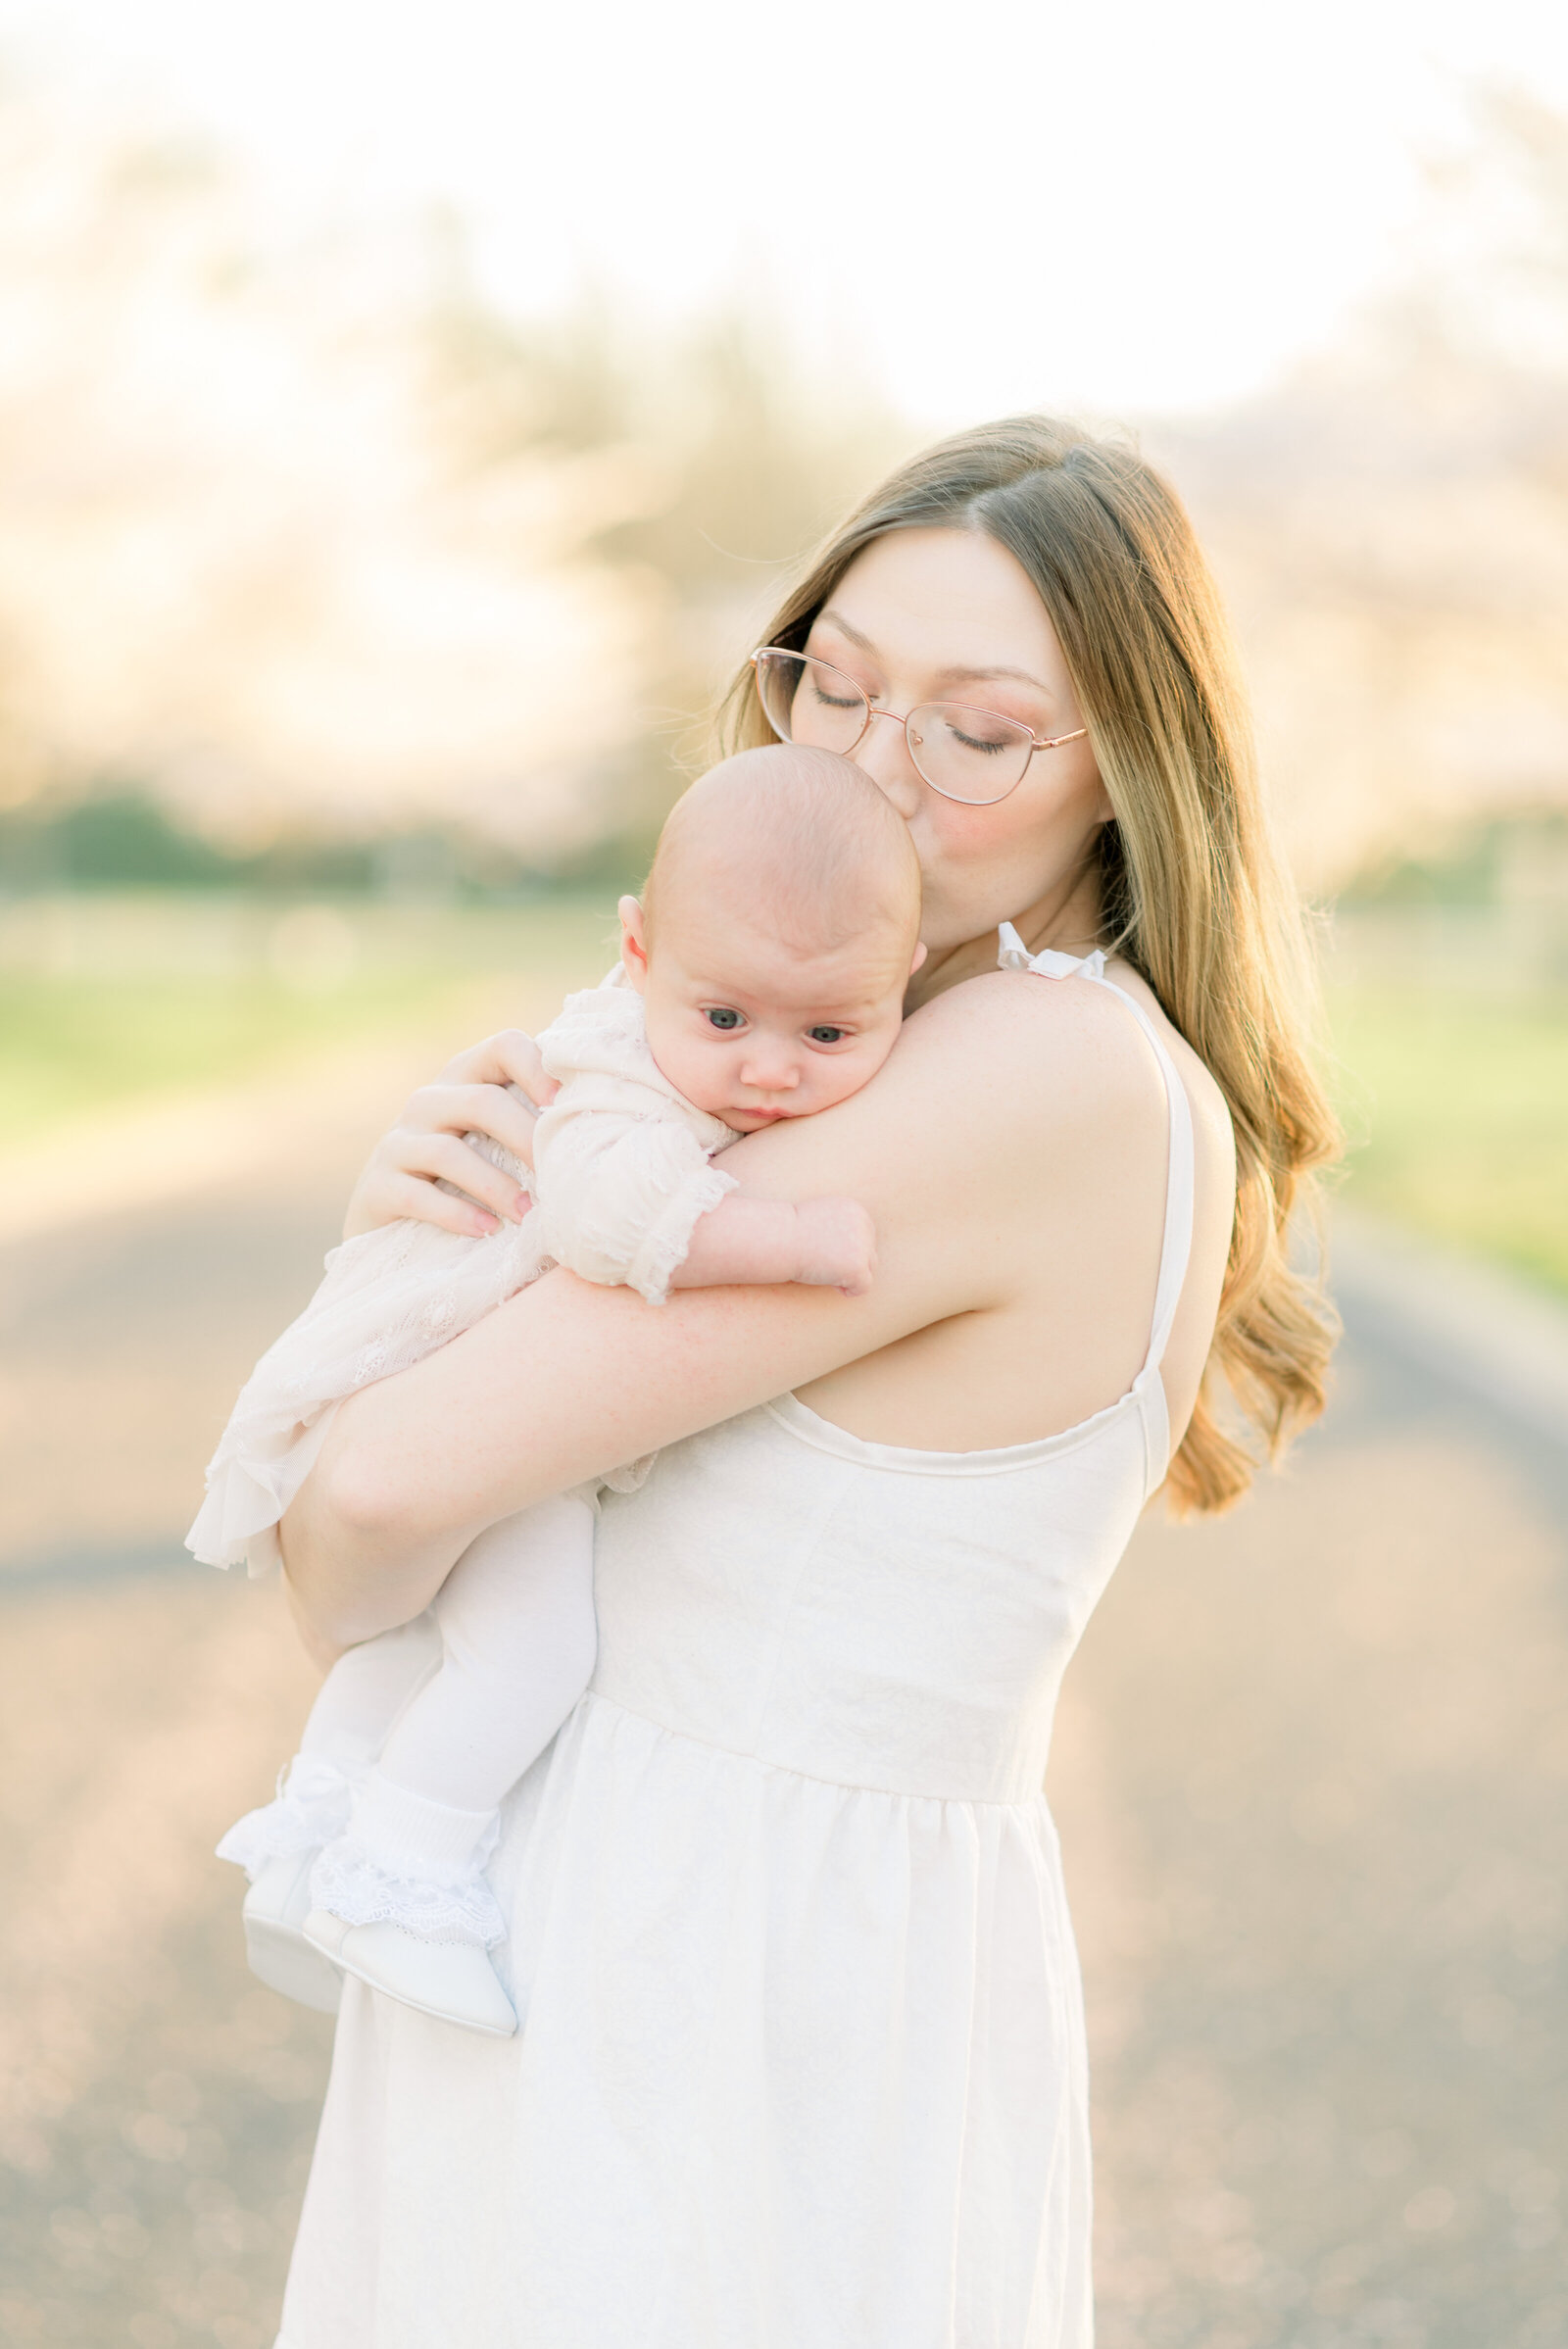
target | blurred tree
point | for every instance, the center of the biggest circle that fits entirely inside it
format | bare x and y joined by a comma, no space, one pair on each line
704,462
1391,530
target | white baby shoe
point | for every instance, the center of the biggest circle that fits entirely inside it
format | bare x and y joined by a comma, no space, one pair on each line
452,1981
276,1947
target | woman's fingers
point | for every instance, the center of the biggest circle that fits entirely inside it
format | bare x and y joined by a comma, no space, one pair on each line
508,1057
400,1176
415,1195
443,1157
473,1109
425,1146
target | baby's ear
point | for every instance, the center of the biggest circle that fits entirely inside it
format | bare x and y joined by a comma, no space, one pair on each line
633,943
919,958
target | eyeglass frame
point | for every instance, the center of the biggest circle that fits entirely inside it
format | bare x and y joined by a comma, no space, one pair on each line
1037,741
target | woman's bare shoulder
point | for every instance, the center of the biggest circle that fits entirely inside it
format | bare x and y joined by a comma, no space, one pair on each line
1015,1048
1053,1075
1065,1041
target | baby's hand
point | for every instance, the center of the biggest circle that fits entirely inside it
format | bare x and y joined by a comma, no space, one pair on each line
837,1244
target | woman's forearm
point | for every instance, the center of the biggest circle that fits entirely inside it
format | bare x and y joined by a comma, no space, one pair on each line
560,1384
349,1575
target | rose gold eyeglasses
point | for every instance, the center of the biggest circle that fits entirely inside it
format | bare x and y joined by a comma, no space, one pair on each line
973,756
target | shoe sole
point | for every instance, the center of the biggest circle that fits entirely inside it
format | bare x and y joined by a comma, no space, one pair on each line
437,2014
280,1956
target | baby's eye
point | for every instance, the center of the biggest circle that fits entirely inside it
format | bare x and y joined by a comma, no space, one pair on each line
721,1016
827,1035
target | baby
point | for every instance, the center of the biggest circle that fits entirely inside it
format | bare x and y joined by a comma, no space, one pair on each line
762,977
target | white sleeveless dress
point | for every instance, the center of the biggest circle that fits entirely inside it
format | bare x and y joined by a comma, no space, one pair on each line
803,2064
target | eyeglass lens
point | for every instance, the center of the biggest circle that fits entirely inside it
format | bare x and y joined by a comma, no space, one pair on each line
970,754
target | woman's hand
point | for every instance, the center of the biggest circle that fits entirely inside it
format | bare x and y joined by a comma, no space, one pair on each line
425,1148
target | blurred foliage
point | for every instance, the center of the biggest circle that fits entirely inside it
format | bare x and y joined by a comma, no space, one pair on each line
129,840
126,840
1389,524
302,537
1503,860
716,460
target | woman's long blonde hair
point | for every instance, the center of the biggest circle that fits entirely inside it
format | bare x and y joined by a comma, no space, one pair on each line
1191,892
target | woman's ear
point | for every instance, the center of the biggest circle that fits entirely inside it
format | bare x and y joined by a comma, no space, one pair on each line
919,958
633,943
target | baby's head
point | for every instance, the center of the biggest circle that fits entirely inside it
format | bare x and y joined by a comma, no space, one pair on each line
776,935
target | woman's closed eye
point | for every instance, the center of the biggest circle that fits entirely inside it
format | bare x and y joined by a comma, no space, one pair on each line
991,743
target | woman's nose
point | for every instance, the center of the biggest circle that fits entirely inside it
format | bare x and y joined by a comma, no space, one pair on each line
883,754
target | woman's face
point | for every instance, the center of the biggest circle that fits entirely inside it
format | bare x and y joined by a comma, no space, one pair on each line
942,615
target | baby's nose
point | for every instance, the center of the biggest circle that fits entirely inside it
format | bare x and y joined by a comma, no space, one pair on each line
770,1069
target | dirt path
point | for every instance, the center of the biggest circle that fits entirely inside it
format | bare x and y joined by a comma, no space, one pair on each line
1310,1776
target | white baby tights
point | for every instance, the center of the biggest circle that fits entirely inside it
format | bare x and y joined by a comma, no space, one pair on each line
451,1711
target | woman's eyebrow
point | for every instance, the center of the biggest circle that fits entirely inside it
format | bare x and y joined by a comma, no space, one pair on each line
977,676
844,628
951,676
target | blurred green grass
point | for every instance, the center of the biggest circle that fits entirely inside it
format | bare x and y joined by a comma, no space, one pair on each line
1456,1106
156,999
71,1045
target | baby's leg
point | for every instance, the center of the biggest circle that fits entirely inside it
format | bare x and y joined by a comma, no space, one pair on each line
517,1622
356,1705
367,1690
519,1640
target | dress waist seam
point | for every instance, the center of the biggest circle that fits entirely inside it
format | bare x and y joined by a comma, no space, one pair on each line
1035,1802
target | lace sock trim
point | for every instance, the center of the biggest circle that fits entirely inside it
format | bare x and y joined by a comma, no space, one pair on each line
352,1884
312,1805
410,1861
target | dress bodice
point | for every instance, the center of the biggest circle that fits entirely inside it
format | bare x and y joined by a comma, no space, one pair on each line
859,1613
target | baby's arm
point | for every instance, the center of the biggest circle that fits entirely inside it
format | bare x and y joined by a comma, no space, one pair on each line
826,1243
634,1201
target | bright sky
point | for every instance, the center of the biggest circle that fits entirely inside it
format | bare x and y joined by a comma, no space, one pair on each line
1125,205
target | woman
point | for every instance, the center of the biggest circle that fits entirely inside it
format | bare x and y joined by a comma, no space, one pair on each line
803,2063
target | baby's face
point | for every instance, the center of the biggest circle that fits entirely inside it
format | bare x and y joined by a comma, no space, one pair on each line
751,1030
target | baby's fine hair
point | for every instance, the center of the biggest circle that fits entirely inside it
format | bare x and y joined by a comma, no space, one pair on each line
804,835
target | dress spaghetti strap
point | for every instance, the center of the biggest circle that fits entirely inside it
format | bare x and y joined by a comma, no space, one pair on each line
1176,1246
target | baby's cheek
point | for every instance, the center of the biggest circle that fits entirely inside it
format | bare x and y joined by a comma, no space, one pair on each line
848,1074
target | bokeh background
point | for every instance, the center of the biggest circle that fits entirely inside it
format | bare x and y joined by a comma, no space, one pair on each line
407,417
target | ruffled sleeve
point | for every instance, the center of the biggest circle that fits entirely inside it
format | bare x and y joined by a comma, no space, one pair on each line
619,1198
622,1161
